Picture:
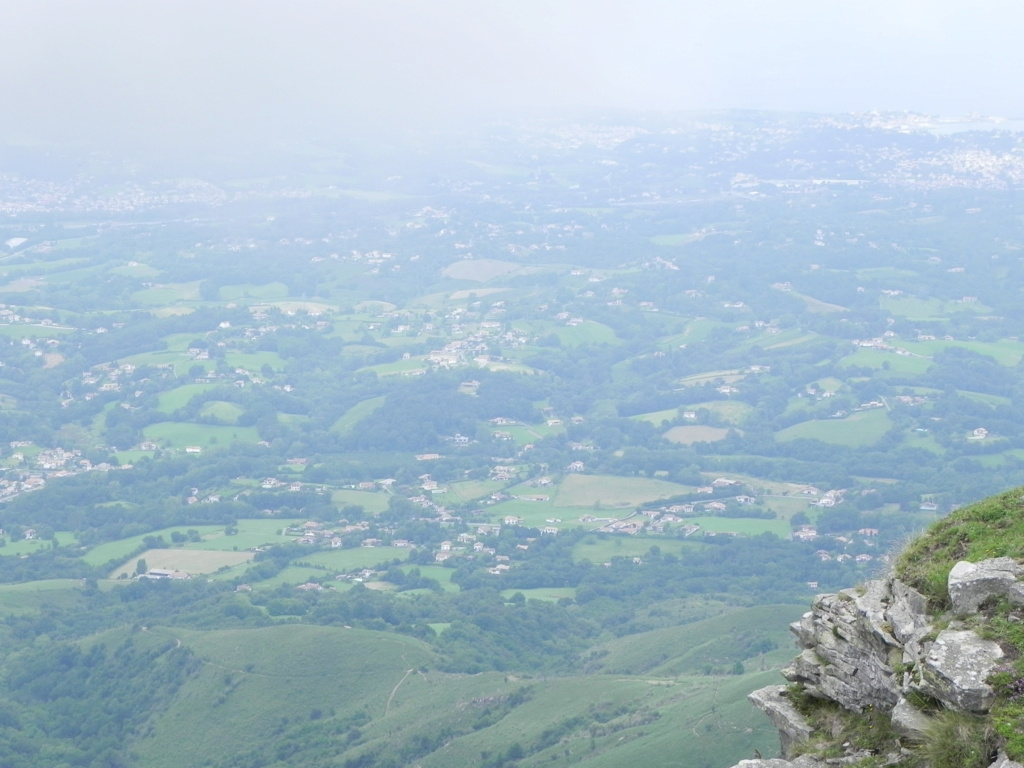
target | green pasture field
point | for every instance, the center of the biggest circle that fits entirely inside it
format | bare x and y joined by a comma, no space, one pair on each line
786,506
691,723
657,417
278,672
715,641
223,410
192,561
177,434
978,397
343,560
173,399
254,291
122,548
898,365
856,430
746,526
802,338
254,361
480,270
522,435
611,492
727,376
373,502
26,331
398,367
535,514
292,419
29,596
171,311
732,411
439,572
470,293
28,546
252,532
913,308
1006,352
695,434
547,594
297,306
696,330
294,575
830,384
470,490
170,293
602,547
818,306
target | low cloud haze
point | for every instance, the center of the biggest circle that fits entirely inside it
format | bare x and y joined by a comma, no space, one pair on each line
138,73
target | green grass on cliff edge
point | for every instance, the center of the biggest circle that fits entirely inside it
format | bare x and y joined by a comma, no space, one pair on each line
992,527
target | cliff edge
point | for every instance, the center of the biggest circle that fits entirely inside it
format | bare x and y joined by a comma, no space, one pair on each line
923,668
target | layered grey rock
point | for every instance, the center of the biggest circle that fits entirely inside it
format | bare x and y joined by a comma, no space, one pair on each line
971,584
793,727
800,762
848,643
955,669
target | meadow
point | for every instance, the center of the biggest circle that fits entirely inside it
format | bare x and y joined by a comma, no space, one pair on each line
858,429
696,434
178,434
357,413
609,491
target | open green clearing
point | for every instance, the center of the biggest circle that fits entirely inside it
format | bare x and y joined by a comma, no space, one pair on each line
373,502
723,377
1006,352
343,560
480,270
914,308
857,429
177,434
28,546
173,399
223,410
696,434
609,491
470,490
886,363
602,547
357,413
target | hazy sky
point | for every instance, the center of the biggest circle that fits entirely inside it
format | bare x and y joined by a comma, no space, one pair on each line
170,69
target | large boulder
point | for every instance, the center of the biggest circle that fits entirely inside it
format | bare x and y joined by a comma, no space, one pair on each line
793,727
971,584
955,670
909,721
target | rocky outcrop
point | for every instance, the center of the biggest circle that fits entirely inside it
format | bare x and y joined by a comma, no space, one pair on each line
793,727
971,584
877,648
